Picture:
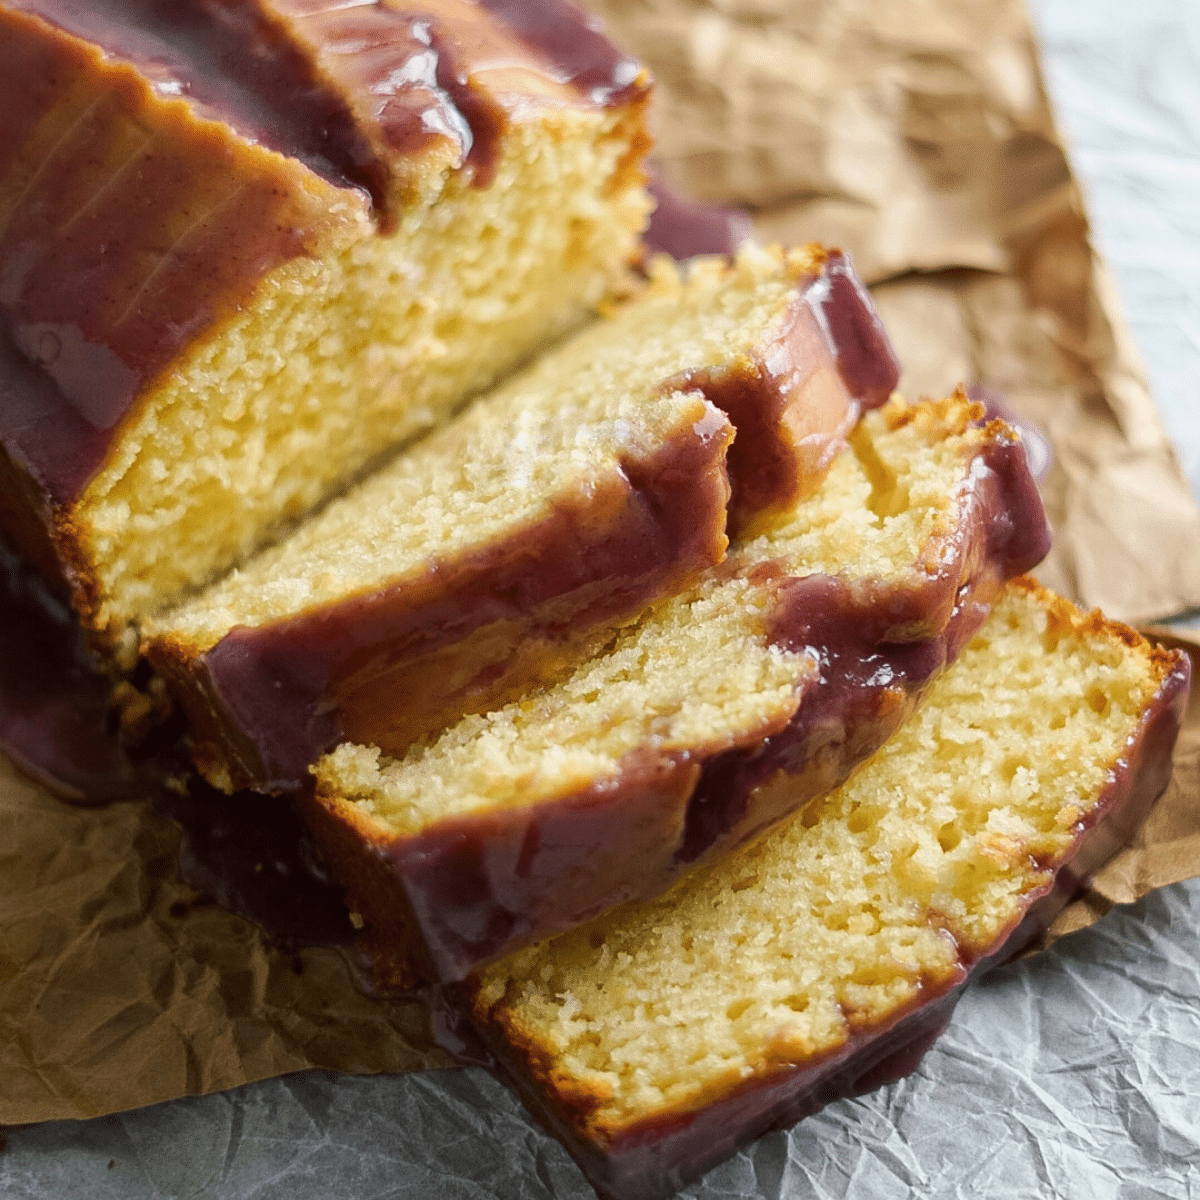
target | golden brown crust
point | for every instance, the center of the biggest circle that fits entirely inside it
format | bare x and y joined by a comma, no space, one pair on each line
1160,660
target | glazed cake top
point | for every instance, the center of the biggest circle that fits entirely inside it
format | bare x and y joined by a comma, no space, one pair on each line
350,88
158,158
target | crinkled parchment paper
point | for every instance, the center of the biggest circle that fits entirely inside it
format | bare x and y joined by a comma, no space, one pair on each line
918,137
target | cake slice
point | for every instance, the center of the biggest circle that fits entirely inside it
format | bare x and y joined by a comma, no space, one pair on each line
249,247
563,503
823,960
721,711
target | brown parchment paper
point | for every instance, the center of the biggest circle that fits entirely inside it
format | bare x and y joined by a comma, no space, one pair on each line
917,135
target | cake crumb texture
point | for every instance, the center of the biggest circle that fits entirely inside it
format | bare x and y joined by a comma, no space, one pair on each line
249,252
837,920
607,399
701,672
339,358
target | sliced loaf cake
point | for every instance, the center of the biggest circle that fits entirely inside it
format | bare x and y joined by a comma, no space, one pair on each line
722,710
592,484
823,960
248,247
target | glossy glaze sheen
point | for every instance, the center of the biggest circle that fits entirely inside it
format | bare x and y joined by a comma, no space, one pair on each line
440,71
406,660
145,206
851,327
466,890
574,42
137,223
652,1160
791,408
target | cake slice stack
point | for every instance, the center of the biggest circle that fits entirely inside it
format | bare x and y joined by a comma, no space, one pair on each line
251,248
497,551
726,707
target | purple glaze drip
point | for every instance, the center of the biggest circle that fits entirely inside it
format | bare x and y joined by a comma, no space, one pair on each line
396,79
573,42
865,665
246,852
481,122
837,723
284,693
250,854
684,228
865,356
839,300
56,718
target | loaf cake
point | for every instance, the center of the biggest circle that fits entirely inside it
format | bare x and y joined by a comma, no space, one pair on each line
558,505
822,960
817,636
249,246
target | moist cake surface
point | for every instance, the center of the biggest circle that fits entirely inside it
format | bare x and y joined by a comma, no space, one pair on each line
816,636
588,487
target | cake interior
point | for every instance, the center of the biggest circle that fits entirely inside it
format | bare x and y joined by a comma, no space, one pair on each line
837,920
335,360
601,402
873,520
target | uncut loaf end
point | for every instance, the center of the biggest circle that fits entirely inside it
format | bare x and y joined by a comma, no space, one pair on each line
248,248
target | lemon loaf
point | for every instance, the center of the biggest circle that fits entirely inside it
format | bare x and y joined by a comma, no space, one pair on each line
596,481
248,246
714,716
822,960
